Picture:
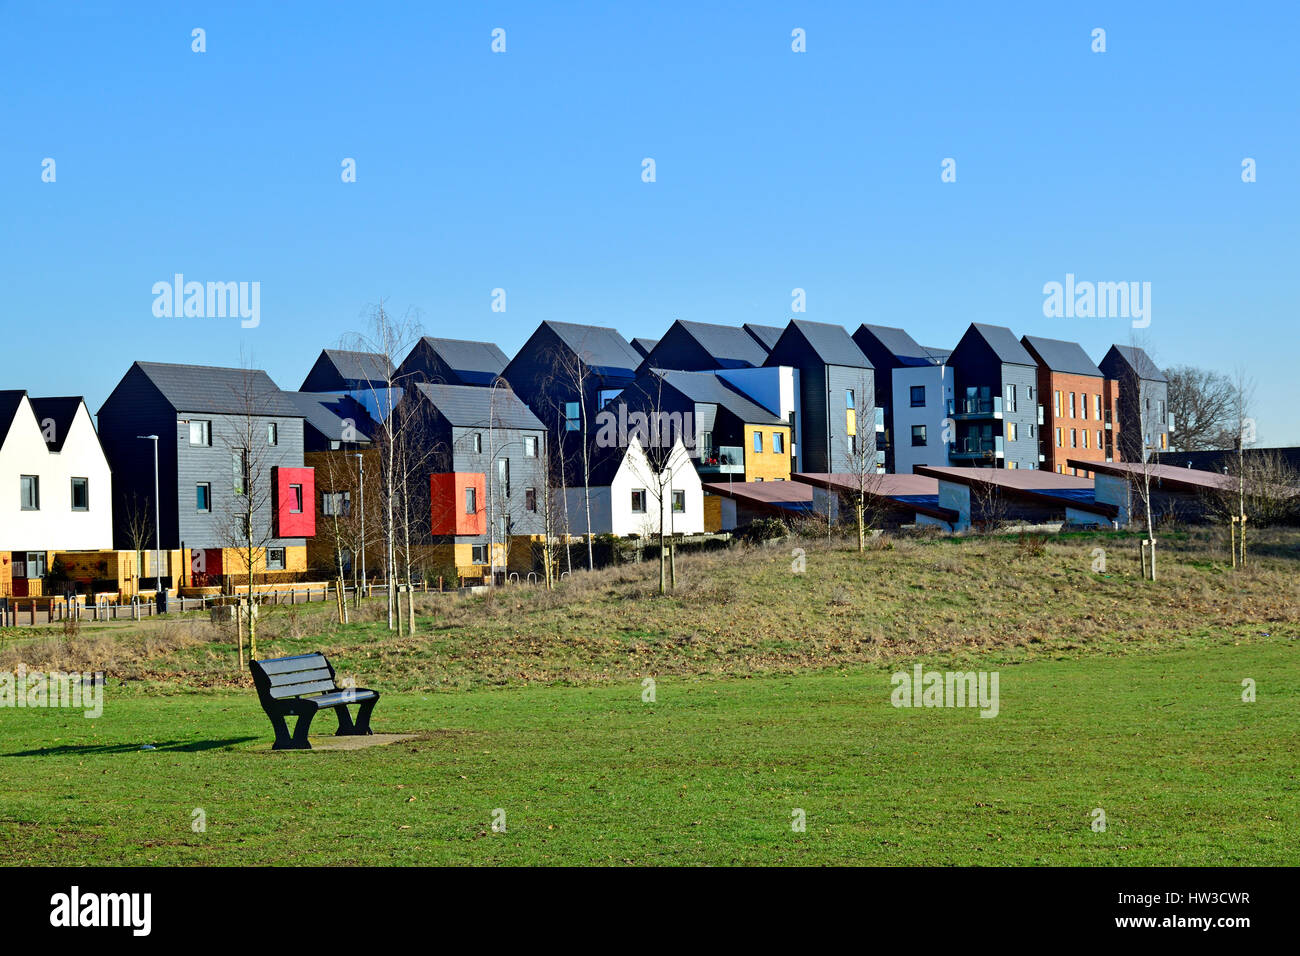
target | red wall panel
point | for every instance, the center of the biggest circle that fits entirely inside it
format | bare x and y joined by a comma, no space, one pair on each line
287,523
447,515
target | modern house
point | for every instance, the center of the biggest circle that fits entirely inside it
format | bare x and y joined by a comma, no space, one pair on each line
565,373
57,489
229,443
1078,405
914,393
703,347
996,414
486,457
452,362
1144,420
366,376
632,495
725,432
837,396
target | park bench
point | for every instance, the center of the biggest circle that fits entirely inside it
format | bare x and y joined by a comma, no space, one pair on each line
302,686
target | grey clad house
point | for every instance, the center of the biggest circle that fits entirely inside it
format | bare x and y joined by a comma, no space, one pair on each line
837,389
644,346
203,417
764,335
889,350
333,422
996,414
363,375
565,373
1143,401
452,362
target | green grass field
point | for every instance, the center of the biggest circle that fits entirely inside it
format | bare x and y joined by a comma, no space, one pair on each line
1146,724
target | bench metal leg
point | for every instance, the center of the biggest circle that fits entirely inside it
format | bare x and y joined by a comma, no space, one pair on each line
361,728
299,741
282,739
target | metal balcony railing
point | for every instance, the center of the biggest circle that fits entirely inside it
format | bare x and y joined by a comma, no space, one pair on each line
973,447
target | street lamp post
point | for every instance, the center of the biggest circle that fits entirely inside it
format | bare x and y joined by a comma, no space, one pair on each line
157,523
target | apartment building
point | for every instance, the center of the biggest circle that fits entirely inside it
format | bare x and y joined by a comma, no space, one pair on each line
1078,405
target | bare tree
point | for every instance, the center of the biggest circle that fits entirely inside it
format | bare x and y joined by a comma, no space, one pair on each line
569,372
1203,403
139,531
865,476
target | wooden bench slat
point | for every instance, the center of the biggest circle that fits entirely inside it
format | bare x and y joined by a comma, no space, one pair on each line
288,665
300,677
298,690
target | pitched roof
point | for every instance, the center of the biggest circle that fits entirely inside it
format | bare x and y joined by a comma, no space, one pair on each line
729,346
326,412
470,405
601,349
220,391
9,402
644,346
938,356
764,335
1061,356
831,343
61,410
1004,344
370,367
476,363
1138,360
706,388
900,345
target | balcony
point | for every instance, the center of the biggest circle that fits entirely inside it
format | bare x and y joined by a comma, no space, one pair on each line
723,460
880,419
970,408
971,448
1040,414
1108,413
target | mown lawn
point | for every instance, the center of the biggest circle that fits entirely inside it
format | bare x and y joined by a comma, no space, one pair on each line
1186,772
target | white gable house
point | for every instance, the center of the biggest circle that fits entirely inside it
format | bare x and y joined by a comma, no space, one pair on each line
626,498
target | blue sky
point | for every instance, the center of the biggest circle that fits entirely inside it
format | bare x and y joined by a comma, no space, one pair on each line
522,171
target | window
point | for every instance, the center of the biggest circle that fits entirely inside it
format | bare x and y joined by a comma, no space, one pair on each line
80,494
336,502
530,499
1098,445
1011,463
478,553
275,559
530,446
850,415
572,417
1059,443
35,564
1060,413
29,490
1072,404
679,502
503,475
1083,402
758,479
295,499
1096,407
778,443
471,500
200,433
918,435
606,395
706,445
1085,438
638,501
848,399
272,433
239,471
203,497
918,396
1011,398
758,441
1011,431
1074,438
478,443
1164,441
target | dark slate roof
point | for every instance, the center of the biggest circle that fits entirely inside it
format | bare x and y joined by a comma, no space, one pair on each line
764,335
729,346
937,355
644,346
601,349
476,363
707,388
1004,344
1061,356
369,367
9,402
326,411
900,345
218,391
831,343
470,405
61,411
1139,362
